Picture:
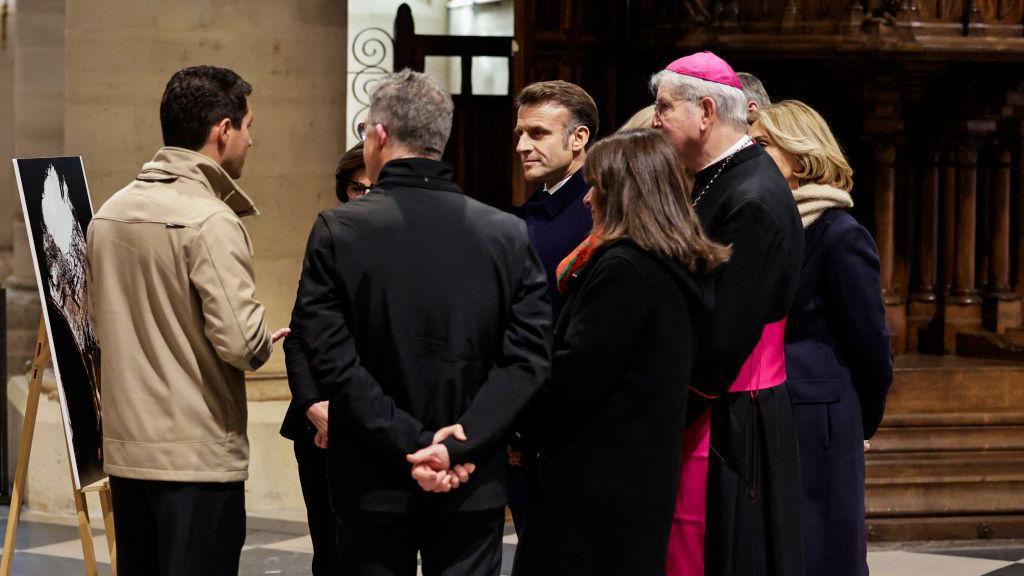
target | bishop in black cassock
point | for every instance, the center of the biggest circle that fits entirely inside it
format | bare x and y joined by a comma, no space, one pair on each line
741,435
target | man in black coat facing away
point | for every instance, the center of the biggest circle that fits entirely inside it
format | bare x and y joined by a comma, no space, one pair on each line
425,317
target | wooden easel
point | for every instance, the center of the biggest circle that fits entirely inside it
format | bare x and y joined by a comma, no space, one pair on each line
42,356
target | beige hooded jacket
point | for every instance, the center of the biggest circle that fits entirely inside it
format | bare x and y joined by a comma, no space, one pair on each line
171,292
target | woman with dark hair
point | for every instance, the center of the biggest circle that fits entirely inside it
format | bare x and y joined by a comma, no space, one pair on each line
609,425
305,423
350,179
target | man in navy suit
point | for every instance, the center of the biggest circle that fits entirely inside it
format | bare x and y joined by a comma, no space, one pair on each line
555,122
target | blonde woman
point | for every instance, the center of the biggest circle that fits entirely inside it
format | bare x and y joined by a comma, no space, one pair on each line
641,119
837,342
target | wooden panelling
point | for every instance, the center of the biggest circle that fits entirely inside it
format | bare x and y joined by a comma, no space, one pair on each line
948,460
927,101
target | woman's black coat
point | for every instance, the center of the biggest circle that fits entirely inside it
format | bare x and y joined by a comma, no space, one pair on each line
611,419
840,369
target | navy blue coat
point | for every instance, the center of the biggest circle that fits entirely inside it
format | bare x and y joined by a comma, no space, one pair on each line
557,223
839,368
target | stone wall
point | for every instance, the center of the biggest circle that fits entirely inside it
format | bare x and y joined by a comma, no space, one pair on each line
87,78
119,58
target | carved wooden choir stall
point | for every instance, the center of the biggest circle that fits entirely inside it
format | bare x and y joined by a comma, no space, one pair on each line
927,99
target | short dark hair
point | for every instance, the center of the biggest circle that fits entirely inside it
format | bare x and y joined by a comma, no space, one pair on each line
196,99
350,162
581,107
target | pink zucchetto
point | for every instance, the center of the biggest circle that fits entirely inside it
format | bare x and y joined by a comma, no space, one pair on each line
706,66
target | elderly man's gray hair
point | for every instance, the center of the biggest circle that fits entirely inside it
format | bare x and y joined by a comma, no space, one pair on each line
731,103
754,90
415,110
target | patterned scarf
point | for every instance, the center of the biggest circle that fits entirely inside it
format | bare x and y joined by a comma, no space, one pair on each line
813,200
574,262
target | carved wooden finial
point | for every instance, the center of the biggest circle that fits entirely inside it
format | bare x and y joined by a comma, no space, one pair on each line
403,20
4,11
405,39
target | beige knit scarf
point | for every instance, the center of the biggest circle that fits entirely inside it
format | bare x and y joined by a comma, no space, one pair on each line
813,200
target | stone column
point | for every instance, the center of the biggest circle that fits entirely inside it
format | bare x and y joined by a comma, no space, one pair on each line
8,189
38,131
38,104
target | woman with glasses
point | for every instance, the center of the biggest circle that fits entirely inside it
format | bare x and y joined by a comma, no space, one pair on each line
305,423
350,178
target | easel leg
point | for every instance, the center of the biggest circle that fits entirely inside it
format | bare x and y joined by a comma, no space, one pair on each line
28,428
106,504
85,533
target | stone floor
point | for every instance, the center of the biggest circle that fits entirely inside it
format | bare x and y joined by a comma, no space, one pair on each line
50,549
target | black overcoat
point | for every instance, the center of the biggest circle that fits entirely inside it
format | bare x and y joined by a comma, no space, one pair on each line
419,307
840,369
610,422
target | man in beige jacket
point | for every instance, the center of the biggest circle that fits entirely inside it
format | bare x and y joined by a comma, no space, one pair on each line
172,300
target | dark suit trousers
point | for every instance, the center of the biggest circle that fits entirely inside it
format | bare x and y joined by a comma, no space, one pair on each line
518,494
175,528
312,463
456,544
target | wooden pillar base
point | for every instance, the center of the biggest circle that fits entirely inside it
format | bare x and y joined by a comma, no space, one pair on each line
896,317
959,315
1001,311
920,314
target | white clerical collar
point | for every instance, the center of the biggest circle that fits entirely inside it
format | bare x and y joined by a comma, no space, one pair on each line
560,183
740,144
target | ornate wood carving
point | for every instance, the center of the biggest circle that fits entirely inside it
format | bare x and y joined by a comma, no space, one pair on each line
909,87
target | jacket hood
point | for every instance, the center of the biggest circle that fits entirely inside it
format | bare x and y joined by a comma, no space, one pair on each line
171,162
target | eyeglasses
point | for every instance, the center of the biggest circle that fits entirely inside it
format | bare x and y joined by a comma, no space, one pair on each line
662,108
361,130
356,188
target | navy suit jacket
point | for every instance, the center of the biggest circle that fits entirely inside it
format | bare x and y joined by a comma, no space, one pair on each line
557,223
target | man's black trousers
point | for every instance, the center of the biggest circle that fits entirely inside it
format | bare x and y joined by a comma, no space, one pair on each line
312,463
456,544
178,528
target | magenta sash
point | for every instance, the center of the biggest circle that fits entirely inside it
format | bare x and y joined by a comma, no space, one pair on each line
764,368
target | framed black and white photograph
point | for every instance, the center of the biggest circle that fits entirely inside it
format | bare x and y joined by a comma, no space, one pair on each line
57,207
